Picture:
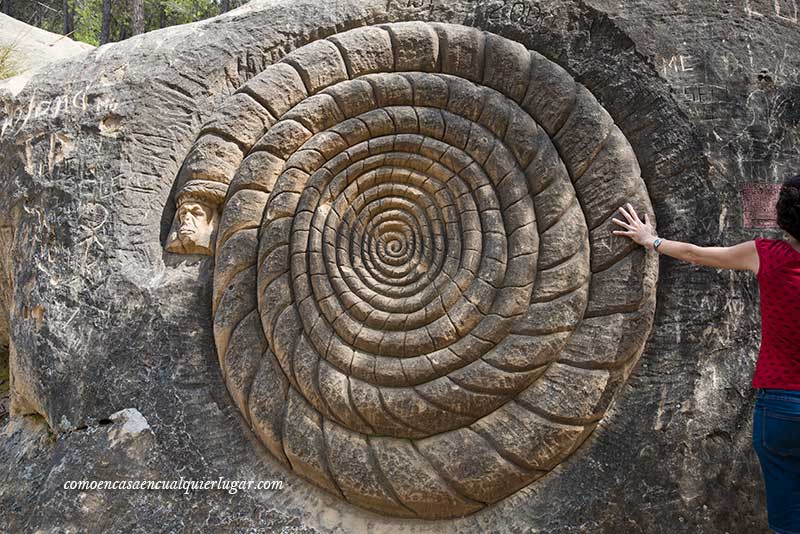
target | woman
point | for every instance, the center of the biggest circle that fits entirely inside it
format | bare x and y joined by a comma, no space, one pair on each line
776,418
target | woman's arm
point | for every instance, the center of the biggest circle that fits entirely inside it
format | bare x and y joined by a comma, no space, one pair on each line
743,256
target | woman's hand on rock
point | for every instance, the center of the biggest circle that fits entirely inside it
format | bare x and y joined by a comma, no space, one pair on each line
641,232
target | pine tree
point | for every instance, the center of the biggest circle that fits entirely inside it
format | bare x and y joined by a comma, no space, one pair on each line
137,16
68,7
105,32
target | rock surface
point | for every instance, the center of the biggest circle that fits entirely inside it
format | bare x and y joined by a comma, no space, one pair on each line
102,319
32,48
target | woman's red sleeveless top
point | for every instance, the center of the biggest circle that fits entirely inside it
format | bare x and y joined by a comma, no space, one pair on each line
778,363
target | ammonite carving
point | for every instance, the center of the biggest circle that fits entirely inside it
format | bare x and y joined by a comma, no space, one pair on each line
418,304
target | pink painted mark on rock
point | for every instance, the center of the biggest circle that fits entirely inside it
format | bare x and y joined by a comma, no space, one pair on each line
758,205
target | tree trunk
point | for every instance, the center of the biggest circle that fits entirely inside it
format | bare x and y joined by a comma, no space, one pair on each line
162,15
137,18
106,28
69,16
226,6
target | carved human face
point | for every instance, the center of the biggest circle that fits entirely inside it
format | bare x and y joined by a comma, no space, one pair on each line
195,219
197,223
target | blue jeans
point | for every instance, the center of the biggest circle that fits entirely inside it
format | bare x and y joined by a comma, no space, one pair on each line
776,439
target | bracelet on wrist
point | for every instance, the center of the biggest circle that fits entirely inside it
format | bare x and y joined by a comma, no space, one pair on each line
657,243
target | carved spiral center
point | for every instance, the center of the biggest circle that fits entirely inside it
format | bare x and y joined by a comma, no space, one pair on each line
398,252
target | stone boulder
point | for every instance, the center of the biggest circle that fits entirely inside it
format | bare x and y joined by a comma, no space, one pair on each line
360,250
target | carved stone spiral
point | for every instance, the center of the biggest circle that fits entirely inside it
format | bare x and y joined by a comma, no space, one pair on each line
418,304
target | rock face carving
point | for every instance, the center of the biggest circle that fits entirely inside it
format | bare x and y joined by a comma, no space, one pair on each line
194,228
418,305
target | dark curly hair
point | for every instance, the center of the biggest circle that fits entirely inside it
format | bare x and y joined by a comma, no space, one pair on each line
788,207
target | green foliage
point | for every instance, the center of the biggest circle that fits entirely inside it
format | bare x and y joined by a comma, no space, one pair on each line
88,15
7,68
181,11
88,21
45,14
